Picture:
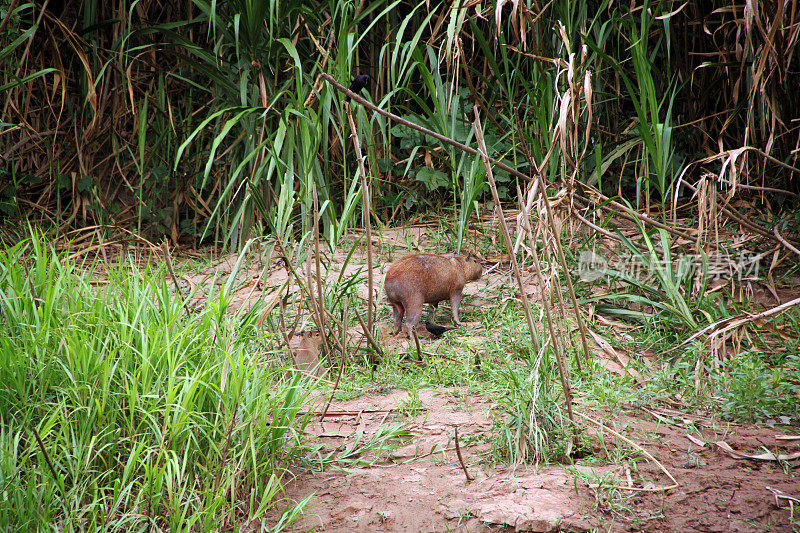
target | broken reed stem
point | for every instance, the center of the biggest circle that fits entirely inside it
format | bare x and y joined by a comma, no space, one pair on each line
461,459
328,314
316,312
557,341
341,366
307,291
271,305
102,246
297,313
561,323
365,198
562,367
604,202
344,329
47,459
171,270
225,448
333,392
369,336
556,242
282,323
541,187
783,241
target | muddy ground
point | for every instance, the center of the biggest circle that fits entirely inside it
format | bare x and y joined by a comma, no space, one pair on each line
420,484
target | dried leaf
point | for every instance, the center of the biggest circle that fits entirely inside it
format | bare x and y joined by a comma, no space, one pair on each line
614,323
766,456
695,440
620,357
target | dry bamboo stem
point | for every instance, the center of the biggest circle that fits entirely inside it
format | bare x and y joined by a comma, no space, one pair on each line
370,338
365,197
545,301
476,126
308,291
319,303
562,261
341,365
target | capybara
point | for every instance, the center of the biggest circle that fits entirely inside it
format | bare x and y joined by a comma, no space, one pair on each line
427,278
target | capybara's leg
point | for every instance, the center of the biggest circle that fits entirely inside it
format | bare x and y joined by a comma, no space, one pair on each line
397,312
412,319
414,311
455,301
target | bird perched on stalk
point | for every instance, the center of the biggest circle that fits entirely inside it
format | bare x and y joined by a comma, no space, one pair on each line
436,330
359,82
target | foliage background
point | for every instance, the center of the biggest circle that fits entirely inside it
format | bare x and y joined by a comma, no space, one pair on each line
189,119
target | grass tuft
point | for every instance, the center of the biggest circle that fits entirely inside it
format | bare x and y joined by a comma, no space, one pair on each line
120,409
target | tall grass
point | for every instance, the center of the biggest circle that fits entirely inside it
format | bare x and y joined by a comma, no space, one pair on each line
122,411
185,118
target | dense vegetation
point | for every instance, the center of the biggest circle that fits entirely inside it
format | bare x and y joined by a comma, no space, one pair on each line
166,117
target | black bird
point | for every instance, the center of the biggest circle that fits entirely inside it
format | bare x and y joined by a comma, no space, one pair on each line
435,330
359,82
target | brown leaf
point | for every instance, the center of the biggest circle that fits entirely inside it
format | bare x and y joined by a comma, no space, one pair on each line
766,456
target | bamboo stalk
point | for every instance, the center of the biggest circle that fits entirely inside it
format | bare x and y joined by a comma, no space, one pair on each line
562,368
476,126
365,198
319,303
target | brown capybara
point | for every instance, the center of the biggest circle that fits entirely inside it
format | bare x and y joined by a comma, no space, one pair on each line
427,278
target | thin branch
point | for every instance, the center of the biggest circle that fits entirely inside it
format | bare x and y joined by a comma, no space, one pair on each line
369,336
225,448
526,306
783,241
45,454
461,459
171,270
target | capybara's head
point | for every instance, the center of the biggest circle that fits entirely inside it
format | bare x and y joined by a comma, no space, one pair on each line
473,268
